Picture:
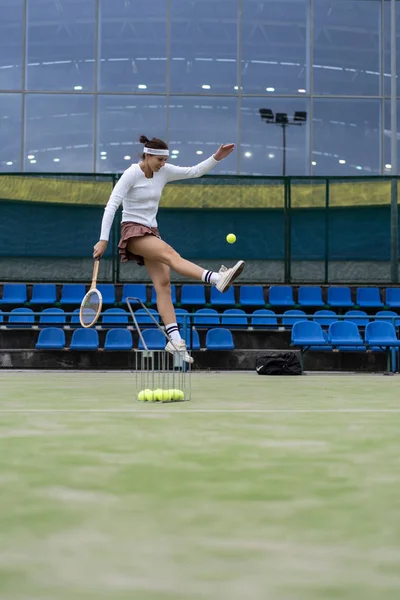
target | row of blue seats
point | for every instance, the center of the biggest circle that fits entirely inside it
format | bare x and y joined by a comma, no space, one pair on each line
344,335
204,317
121,339
195,295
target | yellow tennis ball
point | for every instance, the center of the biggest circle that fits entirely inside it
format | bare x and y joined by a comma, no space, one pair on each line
142,396
158,395
231,238
181,395
165,395
148,395
178,395
170,394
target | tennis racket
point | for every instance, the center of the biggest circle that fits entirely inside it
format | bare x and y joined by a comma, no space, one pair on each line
92,303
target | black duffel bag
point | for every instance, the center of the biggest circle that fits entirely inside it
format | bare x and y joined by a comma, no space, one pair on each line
279,363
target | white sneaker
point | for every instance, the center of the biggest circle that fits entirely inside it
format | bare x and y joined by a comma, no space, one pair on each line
179,347
228,276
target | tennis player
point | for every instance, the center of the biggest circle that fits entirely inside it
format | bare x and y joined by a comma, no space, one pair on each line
139,191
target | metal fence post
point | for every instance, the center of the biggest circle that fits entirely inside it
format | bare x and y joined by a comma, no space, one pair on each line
287,230
326,278
394,215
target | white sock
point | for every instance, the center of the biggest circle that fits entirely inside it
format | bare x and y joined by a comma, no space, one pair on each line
210,277
173,332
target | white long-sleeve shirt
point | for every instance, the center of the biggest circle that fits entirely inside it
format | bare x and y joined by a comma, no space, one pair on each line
140,196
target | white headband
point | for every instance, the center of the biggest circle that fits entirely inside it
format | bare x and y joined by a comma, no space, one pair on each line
156,152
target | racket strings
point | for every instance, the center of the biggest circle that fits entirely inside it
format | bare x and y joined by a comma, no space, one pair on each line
91,307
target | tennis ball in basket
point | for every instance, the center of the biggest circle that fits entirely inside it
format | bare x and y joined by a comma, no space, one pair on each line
231,238
165,395
178,395
171,394
142,396
148,395
181,395
158,395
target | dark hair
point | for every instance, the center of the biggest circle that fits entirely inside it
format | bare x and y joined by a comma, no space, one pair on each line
154,143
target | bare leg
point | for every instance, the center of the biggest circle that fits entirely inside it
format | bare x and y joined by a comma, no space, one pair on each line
160,276
155,250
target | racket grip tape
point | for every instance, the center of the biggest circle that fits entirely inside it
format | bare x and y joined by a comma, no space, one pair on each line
95,273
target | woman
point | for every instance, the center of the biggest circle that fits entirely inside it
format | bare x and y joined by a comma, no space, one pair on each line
139,190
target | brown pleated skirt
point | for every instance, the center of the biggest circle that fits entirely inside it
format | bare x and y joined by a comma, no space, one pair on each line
129,230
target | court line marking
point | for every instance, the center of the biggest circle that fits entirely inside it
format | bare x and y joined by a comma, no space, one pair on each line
189,411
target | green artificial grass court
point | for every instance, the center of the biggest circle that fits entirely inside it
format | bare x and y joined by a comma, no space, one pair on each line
260,489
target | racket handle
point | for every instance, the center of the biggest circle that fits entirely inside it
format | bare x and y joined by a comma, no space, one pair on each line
95,273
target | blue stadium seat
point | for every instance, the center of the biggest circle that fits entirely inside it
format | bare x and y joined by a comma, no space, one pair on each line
281,295
75,322
191,334
179,316
154,339
21,317
388,316
325,317
1,316
154,295
134,290
218,299
381,333
369,297
219,339
340,297
290,317
107,291
143,318
362,321
310,296
44,293
393,297
193,295
263,317
344,333
85,339
307,333
118,339
51,338
206,317
52,317
72,293
114,316
252,295
326,348
234,317
14,293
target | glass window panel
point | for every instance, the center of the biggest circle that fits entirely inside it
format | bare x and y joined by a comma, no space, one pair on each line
61,45
10,132
388,66
347,47
387,143
346,137
59,132
133,46
262,143
11,43
198,126
121,121
275,46
204,46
